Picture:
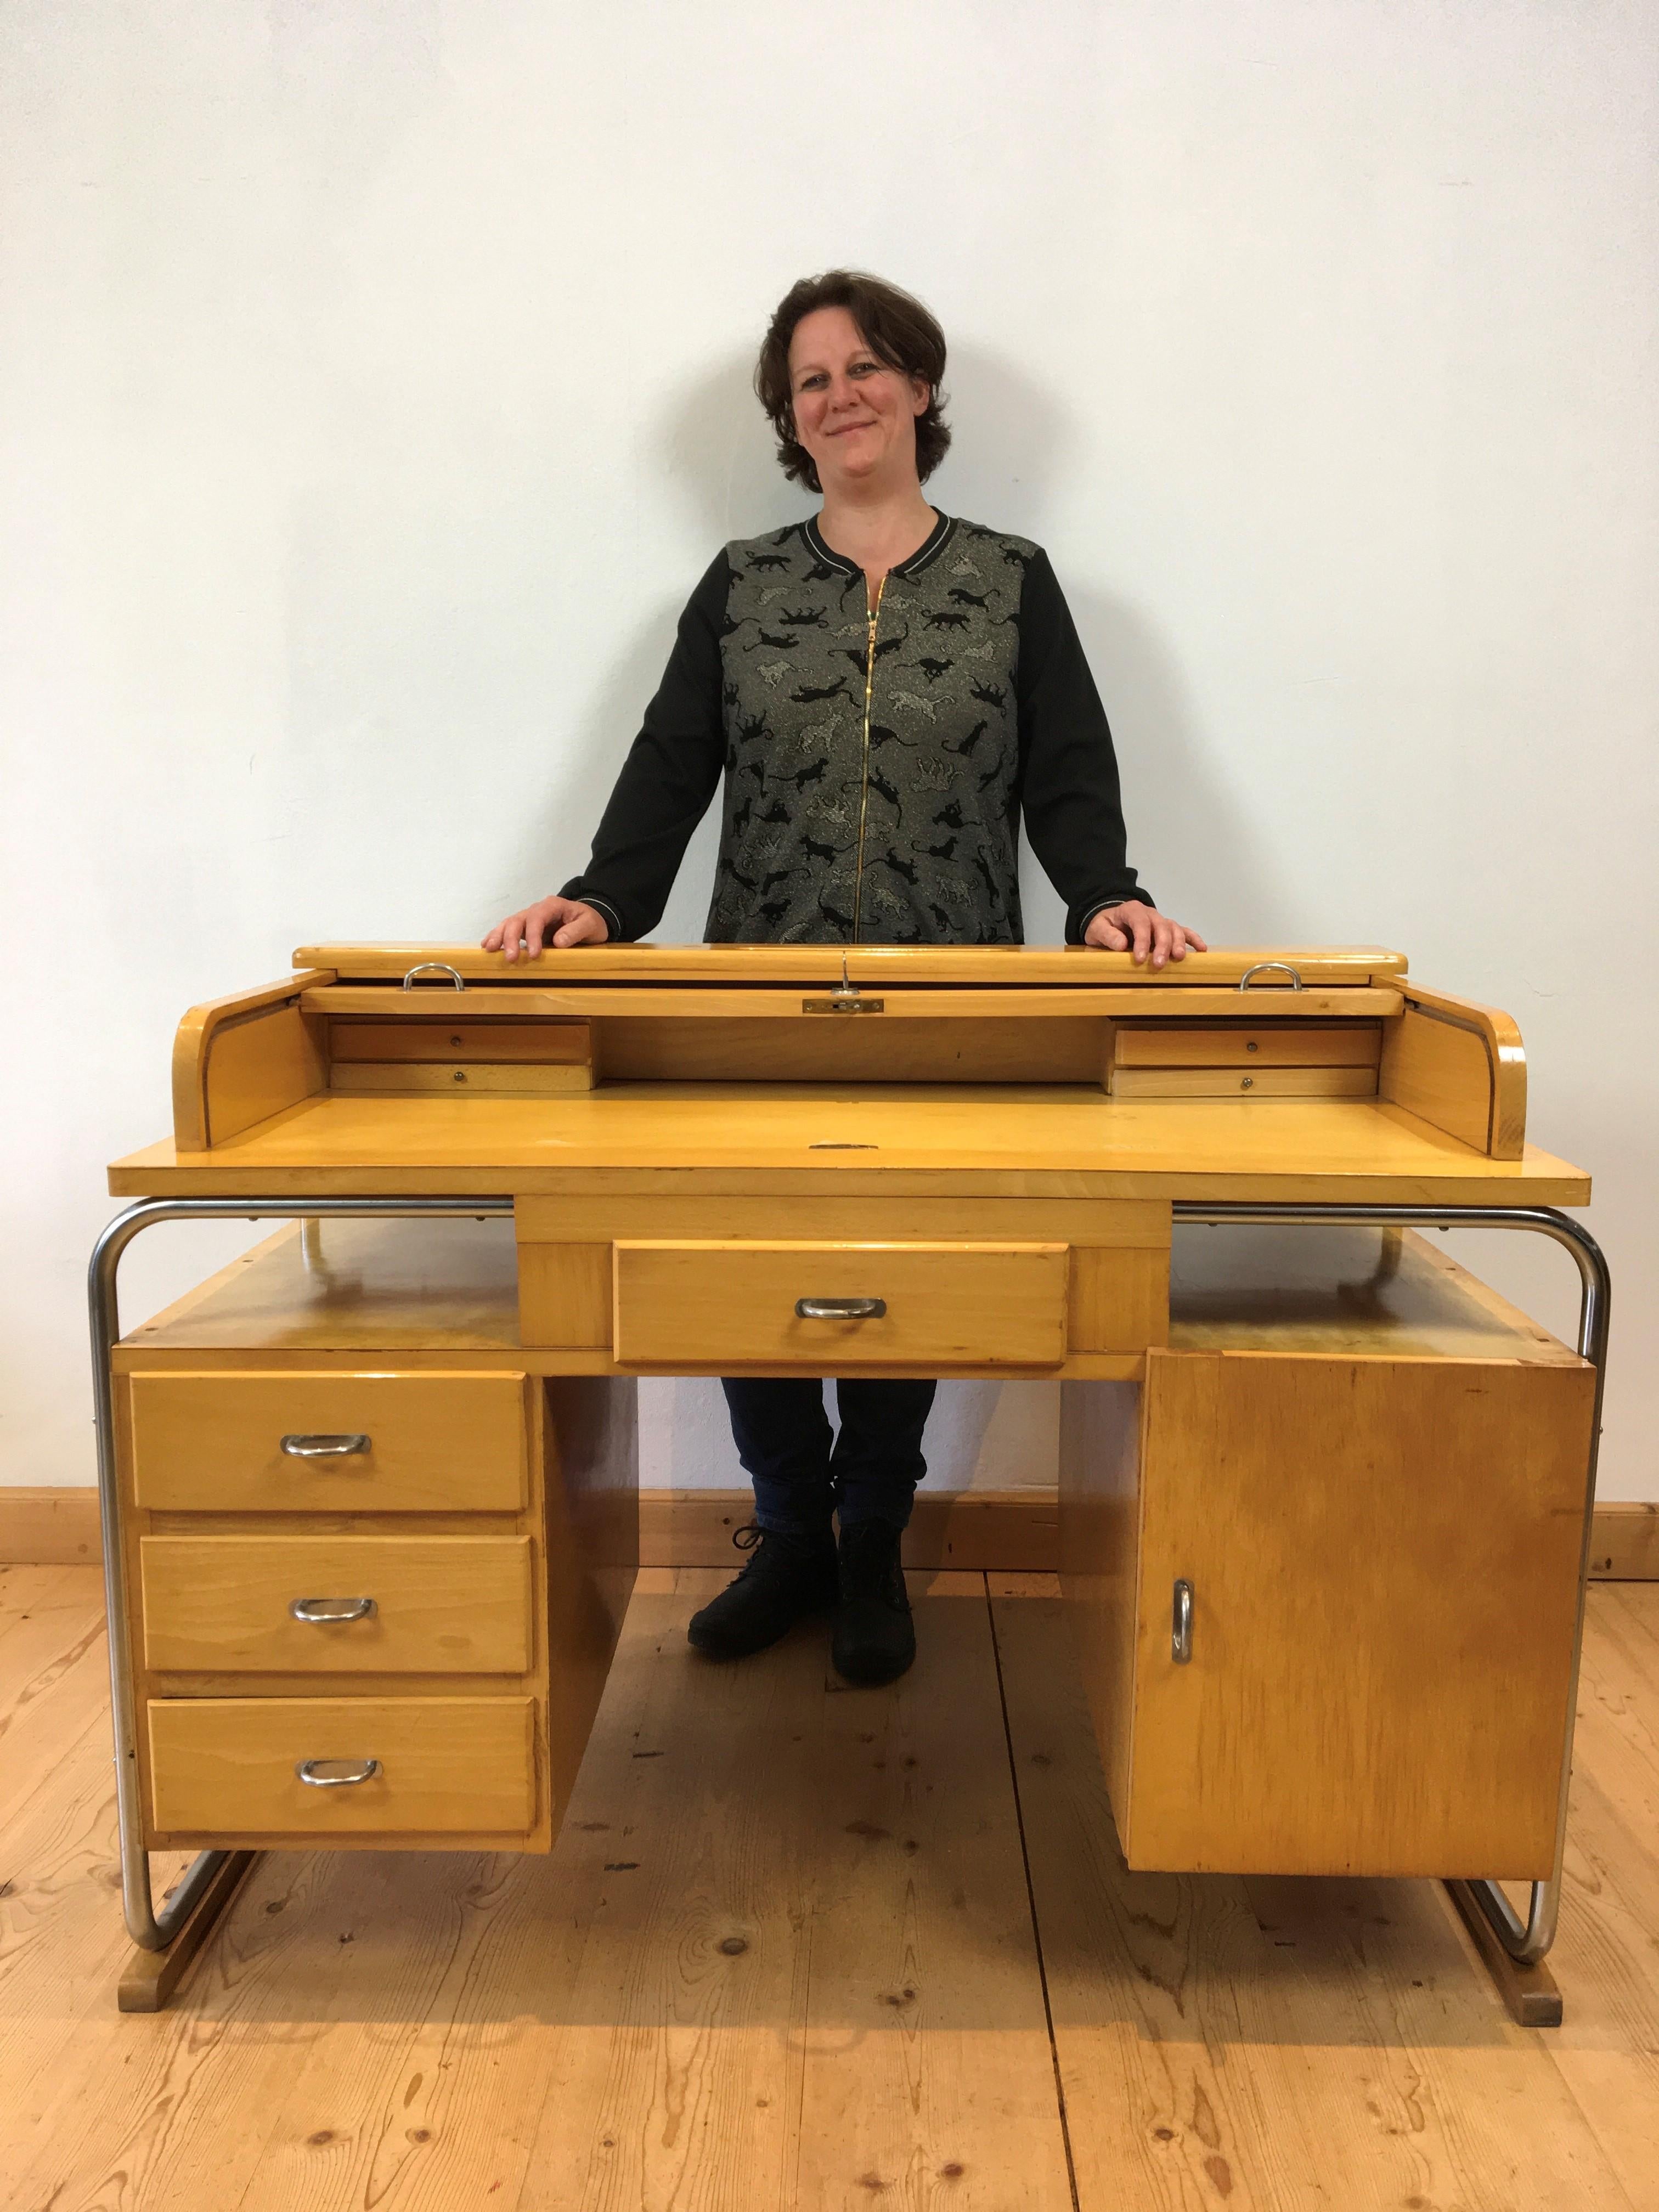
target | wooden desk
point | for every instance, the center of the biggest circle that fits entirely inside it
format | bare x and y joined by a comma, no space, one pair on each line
369,1494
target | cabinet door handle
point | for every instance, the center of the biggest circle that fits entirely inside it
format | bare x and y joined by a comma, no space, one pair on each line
840,1308
324,1447
333,1608
1181,1623
337,1774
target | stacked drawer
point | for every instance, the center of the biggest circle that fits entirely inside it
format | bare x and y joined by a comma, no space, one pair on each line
1240,1059
336,1583
831,1286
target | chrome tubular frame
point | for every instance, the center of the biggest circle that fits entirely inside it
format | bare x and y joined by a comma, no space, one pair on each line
1527,1941
150,1929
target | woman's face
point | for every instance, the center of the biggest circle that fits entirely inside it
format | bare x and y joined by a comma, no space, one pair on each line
854,415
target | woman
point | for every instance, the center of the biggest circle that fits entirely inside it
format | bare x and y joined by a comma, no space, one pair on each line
887,692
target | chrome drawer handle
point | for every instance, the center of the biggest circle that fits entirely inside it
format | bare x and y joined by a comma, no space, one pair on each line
324,1447
333,1608
840,1308
1180,1624
346,1772
1262,967
434,968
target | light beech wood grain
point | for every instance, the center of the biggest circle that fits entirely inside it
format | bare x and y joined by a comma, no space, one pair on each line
1049,1141
411,1079
225,1766
443,1605
454,1042
1098,1555
1258,1085
565,1295
259,1065
749,999
213,1441
1506,1061
979,1305
1337,1520
1245,1045
194,1038
823,963
1440,1072
1119,1301
1143,1224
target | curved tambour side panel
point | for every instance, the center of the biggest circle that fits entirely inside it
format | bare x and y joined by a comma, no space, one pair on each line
237,1061
1459,1066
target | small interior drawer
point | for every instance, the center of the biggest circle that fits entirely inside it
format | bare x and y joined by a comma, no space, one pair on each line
435,1605
1249,1046
226,1766
715,1305
274,1442
1244,1083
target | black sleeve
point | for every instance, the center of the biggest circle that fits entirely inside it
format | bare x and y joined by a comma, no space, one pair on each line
1068,770
671,772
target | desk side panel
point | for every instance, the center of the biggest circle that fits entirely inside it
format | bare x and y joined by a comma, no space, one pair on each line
591,1443
1100,1425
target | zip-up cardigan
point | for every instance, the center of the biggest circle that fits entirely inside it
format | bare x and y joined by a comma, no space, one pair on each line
875,767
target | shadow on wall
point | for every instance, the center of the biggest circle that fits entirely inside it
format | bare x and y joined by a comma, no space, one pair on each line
716,454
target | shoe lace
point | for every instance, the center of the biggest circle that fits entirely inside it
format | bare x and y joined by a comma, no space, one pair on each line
767,1548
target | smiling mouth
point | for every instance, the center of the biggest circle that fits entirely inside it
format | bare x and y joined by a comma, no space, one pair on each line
847,426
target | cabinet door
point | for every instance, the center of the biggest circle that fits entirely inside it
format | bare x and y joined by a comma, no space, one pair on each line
1383,1558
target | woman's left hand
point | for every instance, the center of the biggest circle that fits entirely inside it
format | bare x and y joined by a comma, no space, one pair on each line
1131,926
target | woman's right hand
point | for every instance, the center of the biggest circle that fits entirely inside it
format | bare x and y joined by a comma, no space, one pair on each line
558,921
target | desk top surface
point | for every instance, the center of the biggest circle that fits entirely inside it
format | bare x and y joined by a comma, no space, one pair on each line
1049,1139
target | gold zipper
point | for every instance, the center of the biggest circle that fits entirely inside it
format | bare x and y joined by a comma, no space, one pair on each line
863,795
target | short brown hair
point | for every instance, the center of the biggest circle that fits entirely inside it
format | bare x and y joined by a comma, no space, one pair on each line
897,328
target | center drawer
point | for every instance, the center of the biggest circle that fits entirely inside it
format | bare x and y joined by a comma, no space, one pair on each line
819,1307
432,1605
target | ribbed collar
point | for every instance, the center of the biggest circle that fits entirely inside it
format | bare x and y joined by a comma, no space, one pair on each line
928,551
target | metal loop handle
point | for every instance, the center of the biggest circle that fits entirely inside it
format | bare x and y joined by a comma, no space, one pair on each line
1261,967
434,968
350,1772
840,1308
341,1447
333,1608
1181,1623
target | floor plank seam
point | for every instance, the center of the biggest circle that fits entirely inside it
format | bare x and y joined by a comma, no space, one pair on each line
1031,1906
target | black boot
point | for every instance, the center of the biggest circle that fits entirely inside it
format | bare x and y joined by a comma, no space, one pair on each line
875,1639
784,1578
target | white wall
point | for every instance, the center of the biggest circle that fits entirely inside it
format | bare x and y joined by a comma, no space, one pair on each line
373,388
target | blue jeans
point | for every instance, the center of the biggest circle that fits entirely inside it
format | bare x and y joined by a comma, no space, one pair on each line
783,1439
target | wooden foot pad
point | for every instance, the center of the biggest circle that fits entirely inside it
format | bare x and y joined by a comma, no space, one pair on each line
1532,1993
151,1977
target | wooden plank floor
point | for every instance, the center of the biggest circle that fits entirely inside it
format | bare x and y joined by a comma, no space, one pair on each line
804,1946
